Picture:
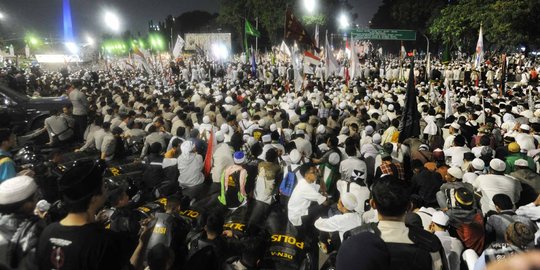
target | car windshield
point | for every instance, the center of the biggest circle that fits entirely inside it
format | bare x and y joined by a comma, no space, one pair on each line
13,94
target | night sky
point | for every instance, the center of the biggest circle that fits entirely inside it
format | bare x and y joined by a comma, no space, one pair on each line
44,16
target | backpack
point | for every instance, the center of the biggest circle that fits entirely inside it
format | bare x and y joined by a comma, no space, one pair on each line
287,185
408,256
233,188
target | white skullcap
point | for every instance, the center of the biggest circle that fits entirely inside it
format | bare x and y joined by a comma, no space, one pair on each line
266,138
377,138
478,164
521,163
349,201
273,127
333,158
497,165
321,129
17,189
220,137
440,218
206,119
295,156
455,172
455,125
224,128
245,115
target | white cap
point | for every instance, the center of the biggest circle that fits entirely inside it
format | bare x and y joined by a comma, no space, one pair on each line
333,158
17,189
377,138
273,127
187,147
295,156
206,119
478,164
321,129
219,136
349,201
440,218
266,138
525,127
455,172
245,115
224,128
455,125
521,163
369,130
497,165
391,107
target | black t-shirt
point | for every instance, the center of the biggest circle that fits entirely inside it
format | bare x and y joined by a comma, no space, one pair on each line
81,247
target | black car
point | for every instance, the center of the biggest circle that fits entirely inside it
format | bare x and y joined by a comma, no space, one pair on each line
24,114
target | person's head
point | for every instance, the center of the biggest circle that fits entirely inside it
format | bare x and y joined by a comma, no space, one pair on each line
176,143
155,148
214,225
464,198
188,147
350,150
310,172
390,197
502,202
160,257
439,222
519,234
7,139
459,140
497,166
454,174
17,195
180,131
271,155
173,204
118,198
417,165
81,187
347,203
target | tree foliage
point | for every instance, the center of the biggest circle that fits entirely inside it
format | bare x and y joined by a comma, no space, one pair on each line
271,15
506,24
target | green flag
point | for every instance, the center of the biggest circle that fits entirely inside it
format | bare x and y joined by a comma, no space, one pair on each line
250,30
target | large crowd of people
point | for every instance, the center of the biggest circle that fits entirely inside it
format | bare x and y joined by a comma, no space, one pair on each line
230,152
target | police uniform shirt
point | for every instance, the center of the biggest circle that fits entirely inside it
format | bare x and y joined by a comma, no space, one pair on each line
57,125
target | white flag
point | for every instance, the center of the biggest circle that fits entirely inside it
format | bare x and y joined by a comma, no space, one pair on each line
479,58
354,60
448,106
285,49
331,62
178,46
27,51
316,35
298,79
11,50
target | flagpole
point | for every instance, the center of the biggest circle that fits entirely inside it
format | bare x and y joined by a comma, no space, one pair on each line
257,38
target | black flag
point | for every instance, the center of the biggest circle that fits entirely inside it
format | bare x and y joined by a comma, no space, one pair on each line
410,120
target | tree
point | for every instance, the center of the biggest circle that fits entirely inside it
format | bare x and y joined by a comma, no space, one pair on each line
506,24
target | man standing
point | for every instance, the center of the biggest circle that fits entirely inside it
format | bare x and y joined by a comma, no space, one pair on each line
7,165
80,108
452,246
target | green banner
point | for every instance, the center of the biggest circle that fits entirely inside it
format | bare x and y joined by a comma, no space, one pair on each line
383,34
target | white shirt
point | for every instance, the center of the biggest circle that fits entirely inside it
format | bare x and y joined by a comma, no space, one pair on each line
303,194
352,163
490,185
339,223
452,248
361,193
449,141
456,155
525,141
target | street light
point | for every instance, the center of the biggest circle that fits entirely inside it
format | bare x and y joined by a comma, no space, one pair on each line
310,6
343,21
90,40
112,21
